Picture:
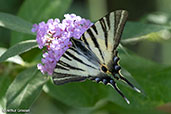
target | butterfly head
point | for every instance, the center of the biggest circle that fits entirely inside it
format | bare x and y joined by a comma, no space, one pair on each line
104,69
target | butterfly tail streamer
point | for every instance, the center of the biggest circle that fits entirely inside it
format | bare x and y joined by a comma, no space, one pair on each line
114,85
129,83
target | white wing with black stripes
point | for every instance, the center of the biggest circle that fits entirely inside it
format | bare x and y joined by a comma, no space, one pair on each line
105,35
94,56
76,65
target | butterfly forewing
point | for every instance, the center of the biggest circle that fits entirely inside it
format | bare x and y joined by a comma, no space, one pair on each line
78,63
104,36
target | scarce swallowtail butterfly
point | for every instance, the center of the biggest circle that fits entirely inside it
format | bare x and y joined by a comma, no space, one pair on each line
94,56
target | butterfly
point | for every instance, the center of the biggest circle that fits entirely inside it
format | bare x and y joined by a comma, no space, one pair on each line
95,56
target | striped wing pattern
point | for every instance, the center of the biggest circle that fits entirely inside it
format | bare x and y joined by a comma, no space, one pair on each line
105,35
96,48
75,66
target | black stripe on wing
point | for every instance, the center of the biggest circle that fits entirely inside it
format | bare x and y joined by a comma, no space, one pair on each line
104,27
66,57
120,21
64,64
100,30
94,28
80,48
77,59
61,67
85,41
96,44
61,78
108,20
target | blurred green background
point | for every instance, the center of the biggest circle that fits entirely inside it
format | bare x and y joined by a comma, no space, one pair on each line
150,61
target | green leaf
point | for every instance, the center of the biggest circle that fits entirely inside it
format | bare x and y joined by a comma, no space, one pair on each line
13,6
153,37
113,108
5,81
46,105
4,84
18,49
25,89
79,94
15,23
36,11
16,59
137,29
149,32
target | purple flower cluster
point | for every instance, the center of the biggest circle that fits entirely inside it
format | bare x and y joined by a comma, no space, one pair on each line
55,37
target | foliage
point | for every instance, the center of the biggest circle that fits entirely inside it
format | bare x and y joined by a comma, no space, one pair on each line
21,85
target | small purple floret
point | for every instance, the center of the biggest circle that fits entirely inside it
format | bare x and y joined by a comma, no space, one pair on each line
55,37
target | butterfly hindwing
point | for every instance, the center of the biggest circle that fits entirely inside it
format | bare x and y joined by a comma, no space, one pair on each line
62,78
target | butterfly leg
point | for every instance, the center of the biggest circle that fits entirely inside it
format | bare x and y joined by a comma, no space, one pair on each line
109,80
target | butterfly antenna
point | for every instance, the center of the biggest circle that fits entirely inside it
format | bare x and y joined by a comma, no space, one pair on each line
114,85
129,83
